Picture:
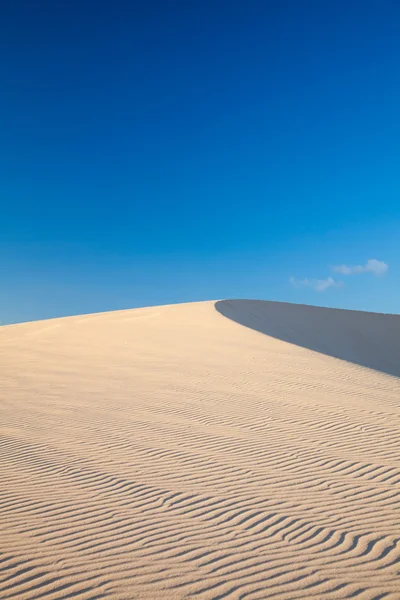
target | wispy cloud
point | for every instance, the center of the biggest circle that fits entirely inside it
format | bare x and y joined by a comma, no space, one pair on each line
318,285
377,267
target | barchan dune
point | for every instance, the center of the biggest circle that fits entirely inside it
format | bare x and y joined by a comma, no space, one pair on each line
237,449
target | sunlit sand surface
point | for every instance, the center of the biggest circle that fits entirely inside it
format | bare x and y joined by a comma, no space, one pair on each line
227,450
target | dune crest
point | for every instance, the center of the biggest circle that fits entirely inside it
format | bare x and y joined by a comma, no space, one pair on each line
175,452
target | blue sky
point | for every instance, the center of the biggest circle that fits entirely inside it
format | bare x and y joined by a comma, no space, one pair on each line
160,152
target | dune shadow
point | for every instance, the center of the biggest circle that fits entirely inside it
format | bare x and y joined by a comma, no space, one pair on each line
368,339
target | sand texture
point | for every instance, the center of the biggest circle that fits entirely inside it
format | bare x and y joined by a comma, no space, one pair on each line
228,450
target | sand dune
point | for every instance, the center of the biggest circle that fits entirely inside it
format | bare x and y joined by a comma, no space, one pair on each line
236,449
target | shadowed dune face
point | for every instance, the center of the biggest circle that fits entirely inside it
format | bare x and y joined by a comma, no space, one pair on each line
368,339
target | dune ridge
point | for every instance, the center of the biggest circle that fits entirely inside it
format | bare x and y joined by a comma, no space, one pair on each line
237,449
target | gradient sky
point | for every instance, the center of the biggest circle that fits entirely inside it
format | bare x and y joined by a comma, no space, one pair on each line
155,152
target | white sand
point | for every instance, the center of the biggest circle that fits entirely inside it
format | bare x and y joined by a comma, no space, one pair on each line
189,451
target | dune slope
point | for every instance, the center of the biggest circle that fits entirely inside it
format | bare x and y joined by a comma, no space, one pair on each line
368,339
230,450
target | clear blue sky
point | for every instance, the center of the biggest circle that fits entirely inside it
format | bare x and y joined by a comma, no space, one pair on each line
155,152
